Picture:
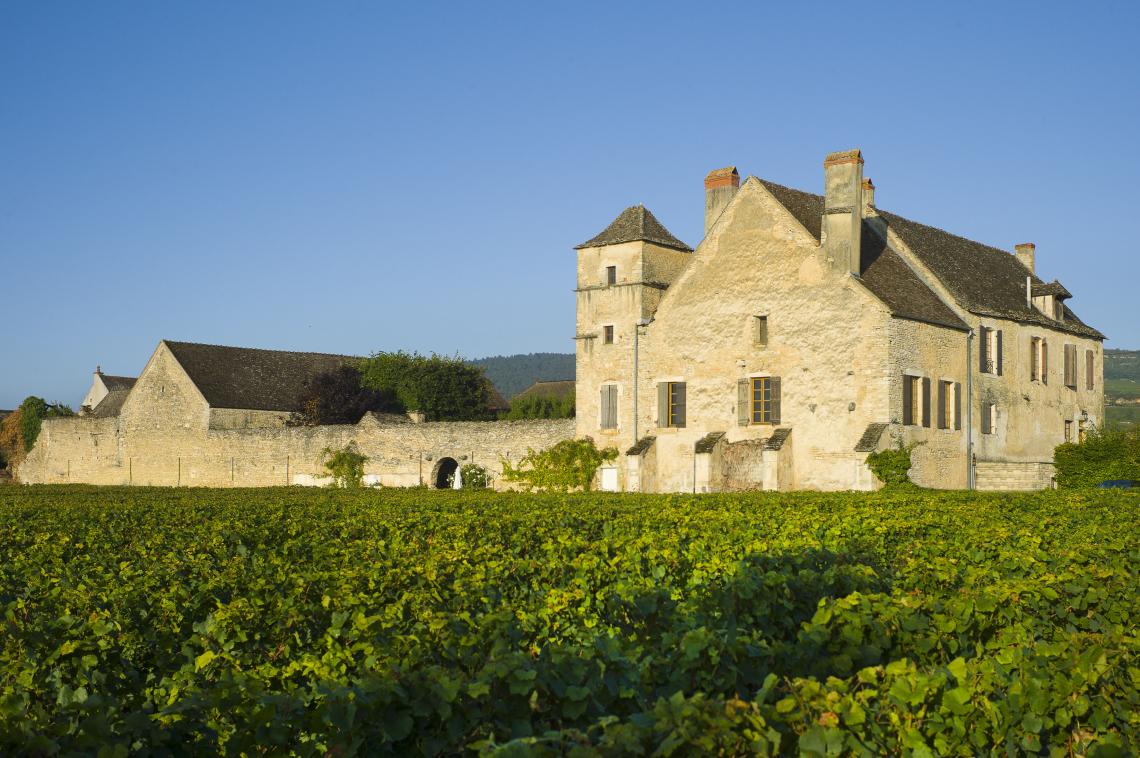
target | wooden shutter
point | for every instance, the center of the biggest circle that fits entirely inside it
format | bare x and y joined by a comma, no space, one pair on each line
743,402
775,384
943,405
1044,361
984,351
662,404
678,405
957,405
926,401
1090,367
1034,358
986,416
997,349
908,400
609,406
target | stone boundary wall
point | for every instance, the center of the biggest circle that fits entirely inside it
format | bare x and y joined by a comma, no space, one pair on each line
102,451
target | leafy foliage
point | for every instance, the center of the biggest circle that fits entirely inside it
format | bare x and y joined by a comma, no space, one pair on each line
33,411
1111,454
541,406
511,374
338,397
568,465
444,389
474,477
891,466
339,622
346,466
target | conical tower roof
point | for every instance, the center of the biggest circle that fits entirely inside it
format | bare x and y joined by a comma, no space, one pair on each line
636,224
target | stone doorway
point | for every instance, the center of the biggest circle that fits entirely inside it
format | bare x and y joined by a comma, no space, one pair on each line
443,472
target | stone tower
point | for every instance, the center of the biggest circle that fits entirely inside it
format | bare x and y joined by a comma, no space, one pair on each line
622,274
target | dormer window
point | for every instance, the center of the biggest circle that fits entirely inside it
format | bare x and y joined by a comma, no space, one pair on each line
1050,299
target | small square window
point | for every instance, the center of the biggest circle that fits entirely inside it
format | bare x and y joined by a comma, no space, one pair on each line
611,275
608,334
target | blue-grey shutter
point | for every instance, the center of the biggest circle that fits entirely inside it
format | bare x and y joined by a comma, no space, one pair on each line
999,351
984,350
986,413
1044,361
775,406
743,402
662,404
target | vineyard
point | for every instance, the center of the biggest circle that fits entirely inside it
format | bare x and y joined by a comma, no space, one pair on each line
321,622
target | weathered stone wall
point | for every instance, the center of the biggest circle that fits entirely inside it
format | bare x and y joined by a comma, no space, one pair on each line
106,451
827,341
922,350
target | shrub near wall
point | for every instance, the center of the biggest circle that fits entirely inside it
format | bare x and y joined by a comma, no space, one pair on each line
1104,455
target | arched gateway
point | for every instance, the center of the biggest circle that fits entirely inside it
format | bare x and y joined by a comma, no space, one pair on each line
442,473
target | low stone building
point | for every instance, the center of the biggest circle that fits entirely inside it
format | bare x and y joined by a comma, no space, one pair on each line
806,331
207,415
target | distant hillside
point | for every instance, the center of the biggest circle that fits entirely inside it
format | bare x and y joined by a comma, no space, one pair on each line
511,374
1122,364
1121,383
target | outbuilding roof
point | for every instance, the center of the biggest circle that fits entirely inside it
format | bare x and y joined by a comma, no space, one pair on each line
113,383
250,378
871,436
984,280
636,224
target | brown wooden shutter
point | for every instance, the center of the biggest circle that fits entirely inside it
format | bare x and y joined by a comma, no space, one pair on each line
998,350
943,406
662,404
986,413
957,405
775,383
908,400
1034,358
1090,367
743,402
926,401
984,350
1044,361
679,403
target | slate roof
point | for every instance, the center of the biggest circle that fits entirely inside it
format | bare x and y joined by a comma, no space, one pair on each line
555,388
708,442
635,224
249,378
1054,288
641,446
778,438
113,383
870,439
984,280
111,404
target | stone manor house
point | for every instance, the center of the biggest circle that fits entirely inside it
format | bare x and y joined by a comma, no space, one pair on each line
804,332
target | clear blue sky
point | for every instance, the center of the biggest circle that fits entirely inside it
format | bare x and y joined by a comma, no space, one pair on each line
352,177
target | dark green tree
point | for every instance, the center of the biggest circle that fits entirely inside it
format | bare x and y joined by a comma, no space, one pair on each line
443,389
339,397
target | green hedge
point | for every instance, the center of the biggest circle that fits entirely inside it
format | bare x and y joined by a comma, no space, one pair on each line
1102,456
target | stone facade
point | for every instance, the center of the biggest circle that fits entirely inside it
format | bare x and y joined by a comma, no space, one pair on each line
824,295
168,435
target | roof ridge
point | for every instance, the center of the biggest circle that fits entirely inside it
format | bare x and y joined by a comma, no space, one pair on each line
260,349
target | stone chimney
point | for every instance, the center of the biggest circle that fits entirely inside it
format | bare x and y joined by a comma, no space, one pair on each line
1026,252
868,195
720,186
843,209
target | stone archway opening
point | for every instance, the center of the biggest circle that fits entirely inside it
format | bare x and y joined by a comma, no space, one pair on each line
443,472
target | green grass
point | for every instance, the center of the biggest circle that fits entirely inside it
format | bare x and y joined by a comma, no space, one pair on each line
322,622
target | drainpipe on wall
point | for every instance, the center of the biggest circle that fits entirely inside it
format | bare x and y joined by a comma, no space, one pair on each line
969,412
636,326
